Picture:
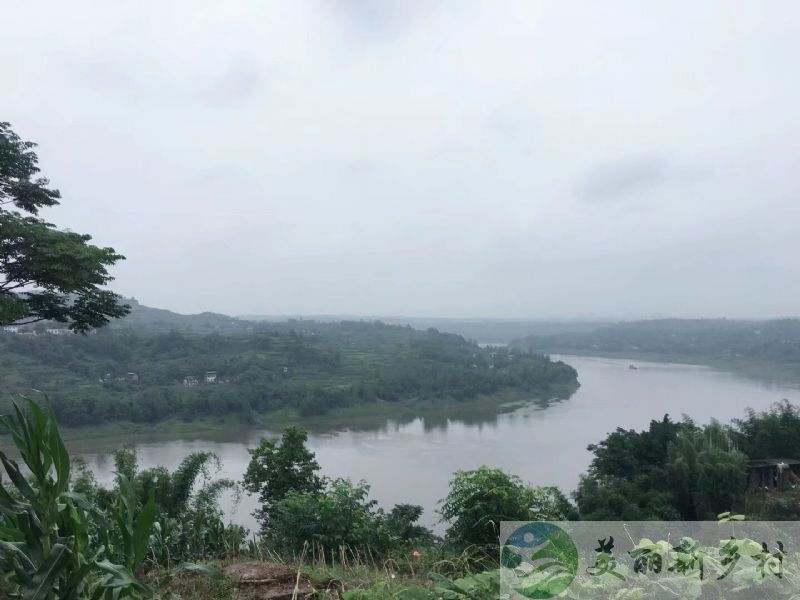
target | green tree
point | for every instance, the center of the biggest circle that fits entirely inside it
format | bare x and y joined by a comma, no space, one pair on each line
46,274
671,471
707,473
340,515
277,468
628,476
402,522
479,500
774,433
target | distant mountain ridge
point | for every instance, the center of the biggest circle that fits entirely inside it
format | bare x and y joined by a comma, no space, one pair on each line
492,331
161,319
488,330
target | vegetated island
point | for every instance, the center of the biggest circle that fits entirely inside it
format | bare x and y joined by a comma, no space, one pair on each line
157,366
768,349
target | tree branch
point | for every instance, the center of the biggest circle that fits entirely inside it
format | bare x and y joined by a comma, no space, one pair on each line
7,288
29,321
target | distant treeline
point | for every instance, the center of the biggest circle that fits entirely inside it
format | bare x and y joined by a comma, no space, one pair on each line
484,331
261,367
765,348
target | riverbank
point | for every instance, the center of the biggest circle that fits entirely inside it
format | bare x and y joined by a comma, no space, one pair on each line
359,417
785,374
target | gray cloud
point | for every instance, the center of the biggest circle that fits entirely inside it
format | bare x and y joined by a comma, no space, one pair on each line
236,84
422,158
377,20
634,178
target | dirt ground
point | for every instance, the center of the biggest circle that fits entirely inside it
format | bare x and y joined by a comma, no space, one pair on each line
268,581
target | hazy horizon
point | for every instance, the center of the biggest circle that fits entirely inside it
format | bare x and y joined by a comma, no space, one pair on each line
535,160
478,318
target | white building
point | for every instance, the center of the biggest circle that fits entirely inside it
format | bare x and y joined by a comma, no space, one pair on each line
61,331
211,376
11,329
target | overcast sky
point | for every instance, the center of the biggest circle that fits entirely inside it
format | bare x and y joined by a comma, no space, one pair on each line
462,159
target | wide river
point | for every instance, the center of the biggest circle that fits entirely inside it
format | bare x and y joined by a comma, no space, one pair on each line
412,461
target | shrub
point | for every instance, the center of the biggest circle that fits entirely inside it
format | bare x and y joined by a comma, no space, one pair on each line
479,500
276,469
342,514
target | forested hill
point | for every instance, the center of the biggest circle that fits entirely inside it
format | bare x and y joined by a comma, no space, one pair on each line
148,318
487,331
762,348
142,374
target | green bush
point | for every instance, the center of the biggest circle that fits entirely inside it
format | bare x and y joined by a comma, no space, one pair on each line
275,469
341,515
479,500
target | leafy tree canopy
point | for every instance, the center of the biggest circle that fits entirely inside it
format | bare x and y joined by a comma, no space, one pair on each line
275,469
46,274
479,500
774,433
682,471
342,515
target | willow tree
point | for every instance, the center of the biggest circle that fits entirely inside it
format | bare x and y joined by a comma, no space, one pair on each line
46,274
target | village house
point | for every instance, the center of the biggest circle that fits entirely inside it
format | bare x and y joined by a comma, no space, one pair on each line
11,329
190,381
211,377
772,474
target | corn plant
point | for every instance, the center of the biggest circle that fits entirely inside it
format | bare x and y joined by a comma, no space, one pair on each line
48,550
134,526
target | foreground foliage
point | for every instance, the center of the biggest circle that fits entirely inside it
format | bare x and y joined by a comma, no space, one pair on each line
60,543
275,469
66,537
300,508
683,471
479,500
56,544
